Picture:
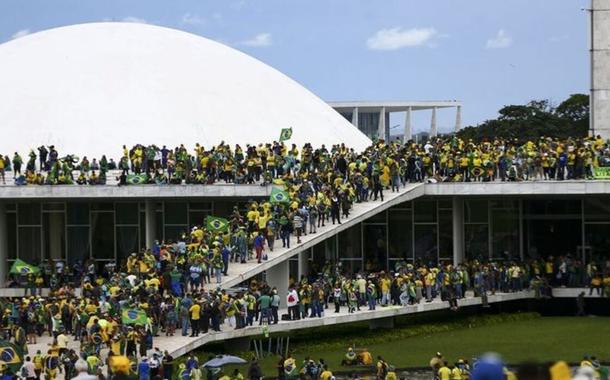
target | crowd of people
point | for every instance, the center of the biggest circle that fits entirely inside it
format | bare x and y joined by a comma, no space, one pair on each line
161,291
437,159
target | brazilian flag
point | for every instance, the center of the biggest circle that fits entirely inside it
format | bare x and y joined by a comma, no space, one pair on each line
21,267
136,179
214,223
279,196
133,317
10,355
286,134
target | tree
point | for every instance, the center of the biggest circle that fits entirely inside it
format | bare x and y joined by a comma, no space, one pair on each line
536,119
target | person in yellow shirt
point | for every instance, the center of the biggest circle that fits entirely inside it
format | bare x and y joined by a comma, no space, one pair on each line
444,373
195,314
326,374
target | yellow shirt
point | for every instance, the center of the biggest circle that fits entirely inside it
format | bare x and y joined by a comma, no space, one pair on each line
195,311
444,373
326,375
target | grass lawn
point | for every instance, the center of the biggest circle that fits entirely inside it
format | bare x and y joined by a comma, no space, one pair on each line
540,339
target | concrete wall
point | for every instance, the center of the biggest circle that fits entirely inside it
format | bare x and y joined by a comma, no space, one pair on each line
600,62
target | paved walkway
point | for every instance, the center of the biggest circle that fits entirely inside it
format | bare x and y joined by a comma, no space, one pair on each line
360,211
179,345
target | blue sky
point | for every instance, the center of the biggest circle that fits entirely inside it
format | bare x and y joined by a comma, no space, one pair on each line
486,53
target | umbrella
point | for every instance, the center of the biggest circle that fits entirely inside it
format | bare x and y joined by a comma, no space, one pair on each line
221,360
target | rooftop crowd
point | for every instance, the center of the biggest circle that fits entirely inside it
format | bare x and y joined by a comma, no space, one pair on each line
439,159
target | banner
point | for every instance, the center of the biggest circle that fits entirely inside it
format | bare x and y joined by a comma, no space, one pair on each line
286,134
21,267
601,173
279,196
133,317
214,223
136,179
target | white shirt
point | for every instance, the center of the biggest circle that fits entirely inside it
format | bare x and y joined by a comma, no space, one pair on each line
293,298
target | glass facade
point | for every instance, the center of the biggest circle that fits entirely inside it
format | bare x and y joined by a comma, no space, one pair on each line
415,231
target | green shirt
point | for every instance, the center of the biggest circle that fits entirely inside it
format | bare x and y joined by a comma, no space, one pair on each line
265,301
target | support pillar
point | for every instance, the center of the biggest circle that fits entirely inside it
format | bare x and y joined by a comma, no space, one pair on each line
303,264
381,323
381,126
151,223
458,230
277,276
355,117
408,135
3,245
458,118
433,132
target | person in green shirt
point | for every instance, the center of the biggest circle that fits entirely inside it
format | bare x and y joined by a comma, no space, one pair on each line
264,304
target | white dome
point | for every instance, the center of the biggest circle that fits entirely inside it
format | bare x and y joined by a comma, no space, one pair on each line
90,88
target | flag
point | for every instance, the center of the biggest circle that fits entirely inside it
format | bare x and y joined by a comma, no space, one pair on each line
217,224
279,196
21,267
133,317
9,354
136,179
286,134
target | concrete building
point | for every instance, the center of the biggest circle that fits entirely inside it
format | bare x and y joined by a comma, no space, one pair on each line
373,118
600,67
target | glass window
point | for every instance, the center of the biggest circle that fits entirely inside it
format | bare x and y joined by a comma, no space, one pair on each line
403,205
475,211
323,252
102,206
126,241
204,206
445,234
505,234
400,234
174,232
53,206
597,238
159,226
476,242
426,248
126,213
30,245
554,237
78,213
445,203
175,213
54,235
28,213
11,207
102,235
197,218
351,266
375,257
597,209
559,207
350,243
425,211
504,203
377,218
78,244
11,230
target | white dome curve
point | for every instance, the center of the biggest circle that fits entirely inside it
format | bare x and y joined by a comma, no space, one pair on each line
90,88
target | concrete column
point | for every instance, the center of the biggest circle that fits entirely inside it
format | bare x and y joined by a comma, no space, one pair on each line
408,132
381,126
3,245
355,117
600,59
303,264
277,276
56,232
458,118
151,223
458,230
433,132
